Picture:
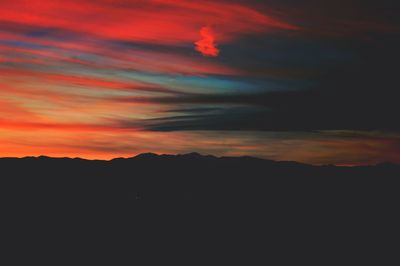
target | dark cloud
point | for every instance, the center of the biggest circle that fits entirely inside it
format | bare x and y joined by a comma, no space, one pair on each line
288,111
361,95
352,18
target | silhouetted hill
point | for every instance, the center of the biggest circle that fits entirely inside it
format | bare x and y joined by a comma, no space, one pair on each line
180,178
85,202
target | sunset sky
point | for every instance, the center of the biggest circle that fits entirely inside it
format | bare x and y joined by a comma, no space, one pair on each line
306,80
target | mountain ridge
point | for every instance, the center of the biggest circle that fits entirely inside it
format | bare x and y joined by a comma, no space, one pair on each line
115,194
198,156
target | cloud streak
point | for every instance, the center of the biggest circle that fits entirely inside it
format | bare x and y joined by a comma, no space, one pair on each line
170,21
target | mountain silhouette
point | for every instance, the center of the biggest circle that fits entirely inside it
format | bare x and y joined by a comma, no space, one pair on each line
179,178
81,203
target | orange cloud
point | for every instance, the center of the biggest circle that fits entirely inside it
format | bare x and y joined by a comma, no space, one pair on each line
207,46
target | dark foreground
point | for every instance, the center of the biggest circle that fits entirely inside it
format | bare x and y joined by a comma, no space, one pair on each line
294,212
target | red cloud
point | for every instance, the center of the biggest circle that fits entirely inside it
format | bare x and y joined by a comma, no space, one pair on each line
158,21
207,45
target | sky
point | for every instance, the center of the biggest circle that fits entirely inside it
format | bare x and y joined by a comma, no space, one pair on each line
301,80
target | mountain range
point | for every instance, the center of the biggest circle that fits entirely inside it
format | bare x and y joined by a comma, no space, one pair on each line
86,204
